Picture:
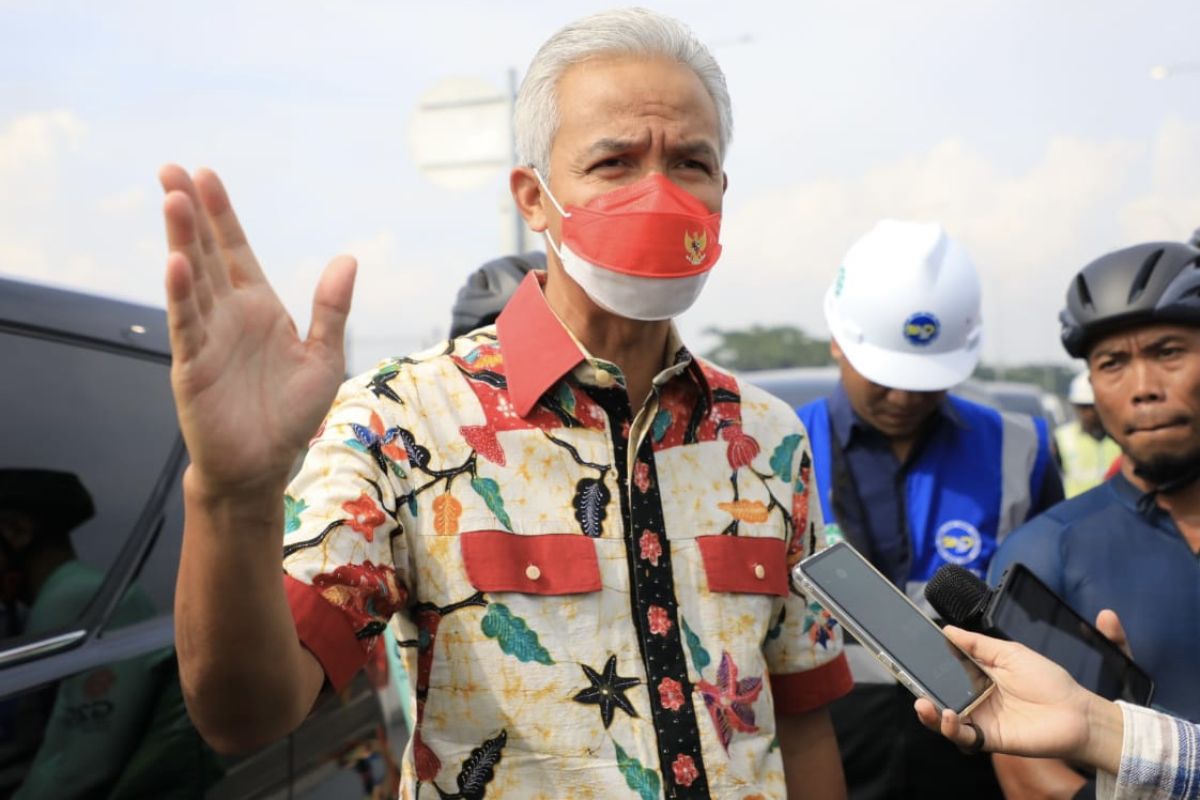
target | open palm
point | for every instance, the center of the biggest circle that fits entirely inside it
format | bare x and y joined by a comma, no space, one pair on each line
248,390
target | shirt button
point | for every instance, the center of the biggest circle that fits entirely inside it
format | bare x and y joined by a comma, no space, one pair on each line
532,572
759,571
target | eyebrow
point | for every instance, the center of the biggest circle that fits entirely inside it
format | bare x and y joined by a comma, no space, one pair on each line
607,145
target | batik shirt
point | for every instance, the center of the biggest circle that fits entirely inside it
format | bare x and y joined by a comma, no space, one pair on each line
592,603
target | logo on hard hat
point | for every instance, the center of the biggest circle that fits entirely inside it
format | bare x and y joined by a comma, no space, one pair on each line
922,328
958,542
695,245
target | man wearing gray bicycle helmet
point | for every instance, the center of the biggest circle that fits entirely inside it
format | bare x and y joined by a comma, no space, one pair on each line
1131,544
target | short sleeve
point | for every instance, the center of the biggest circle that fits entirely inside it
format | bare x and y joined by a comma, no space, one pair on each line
345,559
804,649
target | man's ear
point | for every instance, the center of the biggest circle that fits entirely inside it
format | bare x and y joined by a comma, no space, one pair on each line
527,194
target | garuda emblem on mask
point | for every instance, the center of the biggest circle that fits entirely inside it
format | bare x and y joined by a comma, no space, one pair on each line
695,245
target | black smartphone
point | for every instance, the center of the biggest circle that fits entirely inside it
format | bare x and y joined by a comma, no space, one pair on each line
909,644
1029,612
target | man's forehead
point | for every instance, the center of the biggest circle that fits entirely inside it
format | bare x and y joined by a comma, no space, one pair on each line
1145,335
611,99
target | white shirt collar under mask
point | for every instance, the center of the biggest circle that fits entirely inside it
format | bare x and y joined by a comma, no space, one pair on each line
629,296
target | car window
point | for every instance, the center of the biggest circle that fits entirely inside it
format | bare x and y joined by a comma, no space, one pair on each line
85,433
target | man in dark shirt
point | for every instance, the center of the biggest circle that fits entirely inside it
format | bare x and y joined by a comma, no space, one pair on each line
1131,544
913,477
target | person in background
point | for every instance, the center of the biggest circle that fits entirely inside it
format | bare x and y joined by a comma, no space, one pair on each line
93,720
581,532
487,290
914,478
1037,711
1086,449
1131,544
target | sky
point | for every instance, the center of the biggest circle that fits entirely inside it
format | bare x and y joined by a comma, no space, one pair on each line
1031,130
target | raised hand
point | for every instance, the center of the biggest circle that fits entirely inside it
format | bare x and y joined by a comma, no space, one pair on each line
1037,708
248,390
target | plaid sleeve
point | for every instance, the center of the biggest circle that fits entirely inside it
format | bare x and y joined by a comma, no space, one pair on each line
345,567
804,650
1160,758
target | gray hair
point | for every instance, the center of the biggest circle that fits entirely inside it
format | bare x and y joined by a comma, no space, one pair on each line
628,31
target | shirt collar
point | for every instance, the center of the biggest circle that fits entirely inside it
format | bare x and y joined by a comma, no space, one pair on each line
539,350
845,420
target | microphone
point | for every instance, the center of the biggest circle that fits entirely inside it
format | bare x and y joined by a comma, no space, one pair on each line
961,598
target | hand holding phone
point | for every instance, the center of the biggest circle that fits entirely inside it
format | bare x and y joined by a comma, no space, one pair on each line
909,644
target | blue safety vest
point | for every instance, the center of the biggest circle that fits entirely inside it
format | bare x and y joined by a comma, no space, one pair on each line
969,486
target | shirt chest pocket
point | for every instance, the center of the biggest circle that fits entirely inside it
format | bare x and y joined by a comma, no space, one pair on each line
542,564
744,565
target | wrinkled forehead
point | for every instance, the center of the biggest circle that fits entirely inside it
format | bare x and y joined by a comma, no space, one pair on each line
623,98
1136,337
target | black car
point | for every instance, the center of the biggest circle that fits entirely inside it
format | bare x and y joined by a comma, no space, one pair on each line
90,704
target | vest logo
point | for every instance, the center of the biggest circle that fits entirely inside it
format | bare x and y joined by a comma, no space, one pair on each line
922,328
959,542
694,246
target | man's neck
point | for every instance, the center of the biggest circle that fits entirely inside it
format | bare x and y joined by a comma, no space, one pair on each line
1183,505
638,348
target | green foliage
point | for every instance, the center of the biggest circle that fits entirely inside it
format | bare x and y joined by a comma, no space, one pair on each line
768,347
643,781
489,490
513,635
781,459
700,656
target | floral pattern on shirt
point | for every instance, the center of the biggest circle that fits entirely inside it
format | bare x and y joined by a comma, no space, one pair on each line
526,678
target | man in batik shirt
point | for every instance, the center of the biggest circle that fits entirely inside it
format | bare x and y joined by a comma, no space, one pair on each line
581,533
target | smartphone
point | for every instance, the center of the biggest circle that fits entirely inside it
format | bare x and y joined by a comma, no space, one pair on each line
908,644
1029,612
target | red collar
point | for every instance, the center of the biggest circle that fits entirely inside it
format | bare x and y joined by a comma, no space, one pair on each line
536,347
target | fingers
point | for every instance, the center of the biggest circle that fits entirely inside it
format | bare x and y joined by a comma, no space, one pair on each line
228,231
927,714
983,649
173,177
185,324
331,303
1109,624
189,232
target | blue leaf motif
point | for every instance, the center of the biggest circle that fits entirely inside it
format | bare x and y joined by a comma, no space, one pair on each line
781,459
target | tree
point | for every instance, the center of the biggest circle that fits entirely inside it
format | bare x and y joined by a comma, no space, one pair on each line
768,347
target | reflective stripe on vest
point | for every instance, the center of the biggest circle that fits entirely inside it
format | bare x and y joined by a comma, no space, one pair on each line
967,489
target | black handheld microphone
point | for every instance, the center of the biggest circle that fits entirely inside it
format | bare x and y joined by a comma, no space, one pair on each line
961,598
1024,609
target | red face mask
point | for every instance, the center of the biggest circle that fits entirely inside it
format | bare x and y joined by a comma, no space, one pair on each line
648,229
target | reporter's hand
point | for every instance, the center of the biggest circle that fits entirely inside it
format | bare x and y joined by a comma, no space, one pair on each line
1036,708
1108,623
249,392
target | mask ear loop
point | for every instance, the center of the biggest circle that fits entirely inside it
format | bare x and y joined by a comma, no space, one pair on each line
561,211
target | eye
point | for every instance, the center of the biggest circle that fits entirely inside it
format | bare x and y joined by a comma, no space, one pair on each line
695,164
615,162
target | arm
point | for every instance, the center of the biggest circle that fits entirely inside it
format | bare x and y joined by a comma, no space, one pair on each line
1045,777
249,393
812,766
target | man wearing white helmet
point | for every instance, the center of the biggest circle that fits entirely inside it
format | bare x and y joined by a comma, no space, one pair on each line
1088,453
912,477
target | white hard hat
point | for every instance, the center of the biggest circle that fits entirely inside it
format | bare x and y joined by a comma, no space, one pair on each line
905,308
1080,393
